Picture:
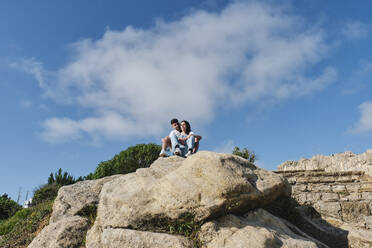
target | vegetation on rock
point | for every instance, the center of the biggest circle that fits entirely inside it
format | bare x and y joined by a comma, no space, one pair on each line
245,153
127,161
186,226
89,212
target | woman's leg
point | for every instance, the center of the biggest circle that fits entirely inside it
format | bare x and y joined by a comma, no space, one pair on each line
190,142
190,145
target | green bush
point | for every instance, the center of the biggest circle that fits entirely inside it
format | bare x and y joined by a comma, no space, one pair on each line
61,179
49,191
21,228
45,192
245,153
8,225
127,161
8,207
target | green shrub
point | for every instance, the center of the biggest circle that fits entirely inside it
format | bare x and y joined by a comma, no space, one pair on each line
127,161
8,225
245,153
45,192
49,191
8,207
20,229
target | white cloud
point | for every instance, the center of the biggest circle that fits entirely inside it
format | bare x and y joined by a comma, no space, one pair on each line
365,122
355,30
135,80
32,66
60,129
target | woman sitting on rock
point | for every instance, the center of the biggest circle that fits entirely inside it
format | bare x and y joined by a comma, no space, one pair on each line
189,139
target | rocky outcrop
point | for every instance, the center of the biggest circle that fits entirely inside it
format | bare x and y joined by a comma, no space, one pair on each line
339,189
166,205
346,161
206,186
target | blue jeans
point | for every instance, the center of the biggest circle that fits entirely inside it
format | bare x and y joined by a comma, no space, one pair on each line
190,142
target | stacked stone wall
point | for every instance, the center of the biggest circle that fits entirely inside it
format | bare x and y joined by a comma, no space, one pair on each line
344,195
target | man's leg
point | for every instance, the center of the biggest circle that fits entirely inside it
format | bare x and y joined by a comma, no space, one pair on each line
165,143
175,144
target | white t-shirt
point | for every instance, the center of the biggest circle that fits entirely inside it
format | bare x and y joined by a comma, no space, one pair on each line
177,133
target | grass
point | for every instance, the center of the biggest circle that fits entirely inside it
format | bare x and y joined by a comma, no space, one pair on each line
186,226
89,212
19,230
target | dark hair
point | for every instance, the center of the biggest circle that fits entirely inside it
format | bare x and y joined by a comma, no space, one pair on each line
174,120
188,127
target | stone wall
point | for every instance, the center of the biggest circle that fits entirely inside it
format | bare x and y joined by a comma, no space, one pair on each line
344,195
339,188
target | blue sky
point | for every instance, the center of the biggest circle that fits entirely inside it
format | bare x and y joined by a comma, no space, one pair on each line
83,80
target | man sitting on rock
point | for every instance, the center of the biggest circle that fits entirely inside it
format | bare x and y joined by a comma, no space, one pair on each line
166,141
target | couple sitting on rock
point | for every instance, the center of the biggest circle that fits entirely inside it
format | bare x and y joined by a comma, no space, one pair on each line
181,140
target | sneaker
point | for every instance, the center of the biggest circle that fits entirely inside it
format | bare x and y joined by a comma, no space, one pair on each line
163,154
177,151
188,153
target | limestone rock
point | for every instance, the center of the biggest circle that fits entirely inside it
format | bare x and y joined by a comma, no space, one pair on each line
117,238
205,185
255,229
346,161
65,233
72,198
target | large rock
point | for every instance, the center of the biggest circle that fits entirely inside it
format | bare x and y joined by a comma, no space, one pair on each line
256,229
206,185
72,198
65,233
138,209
